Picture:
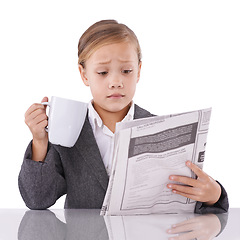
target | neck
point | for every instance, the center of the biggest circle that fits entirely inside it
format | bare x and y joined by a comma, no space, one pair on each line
111,118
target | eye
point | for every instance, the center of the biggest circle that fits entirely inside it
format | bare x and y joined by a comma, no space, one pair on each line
103,73
126,71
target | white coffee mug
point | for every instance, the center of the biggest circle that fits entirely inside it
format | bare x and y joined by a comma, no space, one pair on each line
65,120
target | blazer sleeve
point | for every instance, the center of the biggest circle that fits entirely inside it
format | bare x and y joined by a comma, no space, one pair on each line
41,183
221,206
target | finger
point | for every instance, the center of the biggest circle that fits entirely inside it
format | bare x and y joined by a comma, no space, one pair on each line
43,124
34,122
184,228
198,171
187,236
33,108
40,118
39,128
184,189
35,113
193,220
187,195
45,99
185,180
30,119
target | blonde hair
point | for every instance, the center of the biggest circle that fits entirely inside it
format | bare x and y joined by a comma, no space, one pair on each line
103,33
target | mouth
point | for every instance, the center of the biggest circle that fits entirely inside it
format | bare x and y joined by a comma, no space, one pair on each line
115,96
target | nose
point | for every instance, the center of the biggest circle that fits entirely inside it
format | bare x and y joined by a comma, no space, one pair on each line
115,82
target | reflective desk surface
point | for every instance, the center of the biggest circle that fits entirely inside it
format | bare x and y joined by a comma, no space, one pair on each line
88,224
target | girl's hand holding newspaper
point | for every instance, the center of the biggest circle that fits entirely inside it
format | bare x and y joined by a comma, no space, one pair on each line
203,189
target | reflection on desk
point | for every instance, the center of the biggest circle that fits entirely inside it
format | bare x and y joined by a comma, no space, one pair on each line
80,224
168,226
87,224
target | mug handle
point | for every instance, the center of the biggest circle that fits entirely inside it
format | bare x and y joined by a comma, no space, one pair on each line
46,104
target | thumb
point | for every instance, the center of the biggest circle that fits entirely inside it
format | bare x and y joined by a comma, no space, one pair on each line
45,99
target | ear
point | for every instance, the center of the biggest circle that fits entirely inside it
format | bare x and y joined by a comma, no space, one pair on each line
83,74
139,71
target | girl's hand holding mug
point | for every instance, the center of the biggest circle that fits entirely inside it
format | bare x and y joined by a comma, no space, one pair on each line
36,119
64,124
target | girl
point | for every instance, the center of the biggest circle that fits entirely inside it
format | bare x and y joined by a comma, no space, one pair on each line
109,58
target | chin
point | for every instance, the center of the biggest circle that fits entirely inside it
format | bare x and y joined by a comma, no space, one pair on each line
116,107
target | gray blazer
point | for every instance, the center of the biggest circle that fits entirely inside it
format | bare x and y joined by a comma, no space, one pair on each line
78,172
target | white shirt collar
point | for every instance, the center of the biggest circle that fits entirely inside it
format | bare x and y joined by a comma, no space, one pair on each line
96,121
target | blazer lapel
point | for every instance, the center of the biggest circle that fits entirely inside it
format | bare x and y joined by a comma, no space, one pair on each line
87,147
141,113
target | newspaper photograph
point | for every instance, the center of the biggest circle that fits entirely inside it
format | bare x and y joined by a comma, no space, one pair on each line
146,152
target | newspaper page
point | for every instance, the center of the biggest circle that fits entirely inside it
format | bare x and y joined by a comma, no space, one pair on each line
146,153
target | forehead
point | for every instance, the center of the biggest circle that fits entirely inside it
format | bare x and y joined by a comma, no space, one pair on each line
122,52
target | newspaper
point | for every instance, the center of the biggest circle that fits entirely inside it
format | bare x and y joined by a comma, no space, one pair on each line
146,152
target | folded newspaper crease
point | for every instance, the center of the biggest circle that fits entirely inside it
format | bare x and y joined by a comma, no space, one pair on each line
146,152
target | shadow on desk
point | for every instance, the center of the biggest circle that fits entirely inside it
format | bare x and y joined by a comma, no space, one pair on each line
88,224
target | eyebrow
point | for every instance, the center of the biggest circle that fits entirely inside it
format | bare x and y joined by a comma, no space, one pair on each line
107,62
102,63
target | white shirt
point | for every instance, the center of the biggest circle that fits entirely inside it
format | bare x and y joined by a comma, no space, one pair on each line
104,136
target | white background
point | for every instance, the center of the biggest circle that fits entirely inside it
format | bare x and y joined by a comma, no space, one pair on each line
191,60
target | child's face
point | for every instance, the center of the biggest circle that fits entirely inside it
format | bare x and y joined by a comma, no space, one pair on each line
112,73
